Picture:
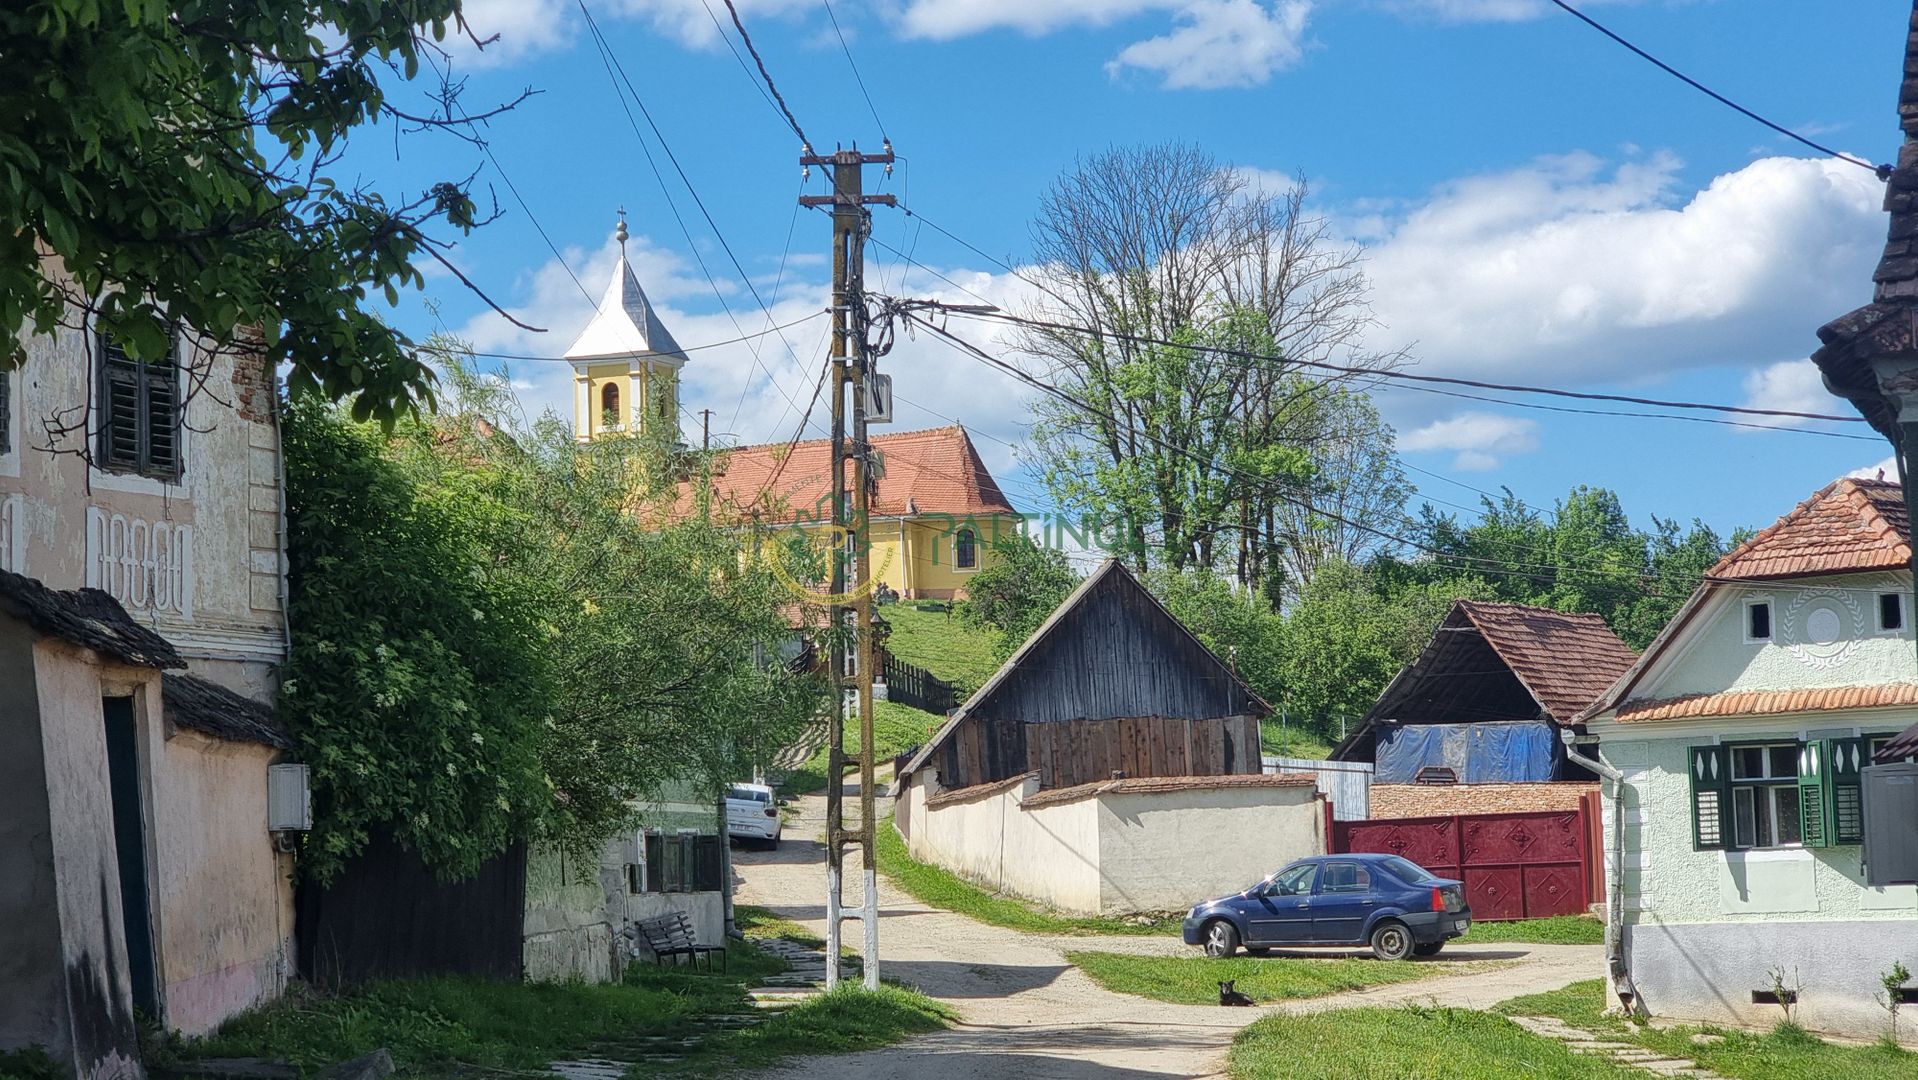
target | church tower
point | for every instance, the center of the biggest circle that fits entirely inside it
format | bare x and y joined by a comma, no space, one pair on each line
625,364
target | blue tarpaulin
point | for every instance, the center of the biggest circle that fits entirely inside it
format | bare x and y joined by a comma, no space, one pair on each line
1489,753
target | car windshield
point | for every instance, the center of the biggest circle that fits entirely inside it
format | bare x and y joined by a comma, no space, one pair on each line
746,794
1405,869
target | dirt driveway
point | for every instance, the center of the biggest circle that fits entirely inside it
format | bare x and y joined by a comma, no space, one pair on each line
1026,1012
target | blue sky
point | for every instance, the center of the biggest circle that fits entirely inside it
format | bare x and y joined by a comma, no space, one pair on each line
1537,205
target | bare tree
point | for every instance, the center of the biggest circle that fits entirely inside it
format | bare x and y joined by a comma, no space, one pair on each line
1177,297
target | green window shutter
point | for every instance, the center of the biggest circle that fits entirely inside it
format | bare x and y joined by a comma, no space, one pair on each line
1846,757
1814,793
655,854
1710,770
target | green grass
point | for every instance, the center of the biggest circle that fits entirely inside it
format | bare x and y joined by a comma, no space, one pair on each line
444,1026
31,1063
1556,930
760,924
896,728
1782,1054
1194,980
1293,742
951,649
943,889
1409,1043
848,1019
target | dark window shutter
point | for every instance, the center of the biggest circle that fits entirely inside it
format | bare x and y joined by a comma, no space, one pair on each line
139,412
1845,758
655,863
1711,776
6,409
1814,794
709,867
162,404
120,413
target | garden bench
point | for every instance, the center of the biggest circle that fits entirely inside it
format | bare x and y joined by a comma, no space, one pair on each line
672,935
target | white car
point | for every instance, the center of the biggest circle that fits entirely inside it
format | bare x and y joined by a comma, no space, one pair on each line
752,813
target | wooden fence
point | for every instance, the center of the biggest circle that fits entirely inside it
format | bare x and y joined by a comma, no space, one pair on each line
1514,866
917,687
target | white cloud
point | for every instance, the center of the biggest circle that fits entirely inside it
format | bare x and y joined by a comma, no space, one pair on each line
1463,11
943,20
529,26
1884,470
1565,271
1479,438
1222,43
523,26
1789,386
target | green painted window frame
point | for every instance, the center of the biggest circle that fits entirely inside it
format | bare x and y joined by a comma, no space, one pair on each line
1829,790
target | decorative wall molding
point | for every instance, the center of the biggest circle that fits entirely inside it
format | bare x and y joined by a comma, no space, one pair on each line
146,565
1822,627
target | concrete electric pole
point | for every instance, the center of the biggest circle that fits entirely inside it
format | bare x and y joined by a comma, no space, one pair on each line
852,652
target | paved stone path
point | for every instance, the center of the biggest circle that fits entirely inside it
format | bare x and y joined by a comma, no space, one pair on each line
1623,1053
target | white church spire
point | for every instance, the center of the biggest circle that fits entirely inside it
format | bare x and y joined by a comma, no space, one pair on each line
626,326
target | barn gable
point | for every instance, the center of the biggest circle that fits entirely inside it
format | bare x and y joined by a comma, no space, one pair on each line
1110,683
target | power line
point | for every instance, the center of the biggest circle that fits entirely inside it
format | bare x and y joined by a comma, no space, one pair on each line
1883,172
683,348
791,121
734,49
611,61
1379,373
1489,566
1634,415
847,49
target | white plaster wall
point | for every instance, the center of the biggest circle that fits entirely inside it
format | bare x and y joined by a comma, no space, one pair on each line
1704,928
1169,850
569,920
223,894
228,500
1715,657
1049,855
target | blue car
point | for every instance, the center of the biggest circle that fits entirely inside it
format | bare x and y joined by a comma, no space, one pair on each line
1391,904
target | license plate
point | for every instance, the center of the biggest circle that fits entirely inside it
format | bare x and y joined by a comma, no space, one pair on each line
1465,924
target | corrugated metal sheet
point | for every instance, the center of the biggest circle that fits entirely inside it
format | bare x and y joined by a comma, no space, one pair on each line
1346,784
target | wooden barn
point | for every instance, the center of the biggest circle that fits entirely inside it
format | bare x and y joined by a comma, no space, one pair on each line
1110,766
1111,686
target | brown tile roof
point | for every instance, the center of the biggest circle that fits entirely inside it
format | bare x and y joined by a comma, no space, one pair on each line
1565,659
1771,702
936,471
1847,526
1144,785
977,791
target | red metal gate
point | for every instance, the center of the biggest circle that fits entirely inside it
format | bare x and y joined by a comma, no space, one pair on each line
1515,866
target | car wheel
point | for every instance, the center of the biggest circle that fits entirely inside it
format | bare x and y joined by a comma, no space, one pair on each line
1392,941
773,844
1428,950
1221,939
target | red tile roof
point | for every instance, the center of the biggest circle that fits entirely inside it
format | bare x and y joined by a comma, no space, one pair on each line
1848,526
1566,660
936,471
1771,702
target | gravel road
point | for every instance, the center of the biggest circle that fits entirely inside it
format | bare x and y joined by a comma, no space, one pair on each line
1026,1012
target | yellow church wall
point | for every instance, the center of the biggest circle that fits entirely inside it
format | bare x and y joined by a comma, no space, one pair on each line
915,557
636,395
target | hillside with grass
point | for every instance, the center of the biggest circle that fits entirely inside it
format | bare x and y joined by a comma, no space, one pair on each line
943,643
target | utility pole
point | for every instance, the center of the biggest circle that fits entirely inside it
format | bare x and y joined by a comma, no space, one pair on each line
705,429
851,660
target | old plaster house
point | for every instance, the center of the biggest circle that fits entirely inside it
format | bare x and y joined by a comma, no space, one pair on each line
140,629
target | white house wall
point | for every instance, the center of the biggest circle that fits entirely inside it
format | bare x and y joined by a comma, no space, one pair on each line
1165,851
1049,855
198,560
1704,928
1714,655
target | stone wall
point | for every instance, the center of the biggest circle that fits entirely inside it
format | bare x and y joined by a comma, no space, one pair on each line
1436,800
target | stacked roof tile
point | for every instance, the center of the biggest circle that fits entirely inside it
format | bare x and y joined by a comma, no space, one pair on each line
1771,702
1565,659
1850,525
85,617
